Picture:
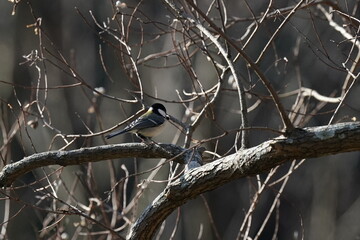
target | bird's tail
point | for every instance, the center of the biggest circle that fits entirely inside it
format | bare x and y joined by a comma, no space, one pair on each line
116,133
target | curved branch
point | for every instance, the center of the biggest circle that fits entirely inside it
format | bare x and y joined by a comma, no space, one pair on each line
94,154
286,121
302,143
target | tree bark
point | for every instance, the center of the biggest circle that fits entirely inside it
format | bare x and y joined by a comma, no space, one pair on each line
302,143
310,142
93,154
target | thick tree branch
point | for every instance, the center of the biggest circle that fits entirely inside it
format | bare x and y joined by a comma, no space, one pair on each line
303,143
94,154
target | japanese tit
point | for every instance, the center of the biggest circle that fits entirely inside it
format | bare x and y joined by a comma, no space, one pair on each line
148,125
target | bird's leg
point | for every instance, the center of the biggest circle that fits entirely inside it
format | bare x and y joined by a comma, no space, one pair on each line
143,138
146,140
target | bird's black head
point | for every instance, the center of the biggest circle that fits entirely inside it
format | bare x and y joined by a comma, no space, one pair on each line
159,109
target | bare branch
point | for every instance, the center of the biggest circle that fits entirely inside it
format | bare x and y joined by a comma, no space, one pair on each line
333,139
287,123
94,154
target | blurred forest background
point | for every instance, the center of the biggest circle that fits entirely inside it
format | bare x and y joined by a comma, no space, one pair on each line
70,71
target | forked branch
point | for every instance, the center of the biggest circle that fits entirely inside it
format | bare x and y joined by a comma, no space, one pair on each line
303,143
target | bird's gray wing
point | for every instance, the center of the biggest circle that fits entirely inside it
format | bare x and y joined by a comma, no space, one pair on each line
145,122
140,123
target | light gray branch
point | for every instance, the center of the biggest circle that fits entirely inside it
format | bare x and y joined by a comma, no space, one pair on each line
303,143
94,154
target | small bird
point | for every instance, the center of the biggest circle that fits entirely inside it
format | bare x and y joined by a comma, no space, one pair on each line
148,125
